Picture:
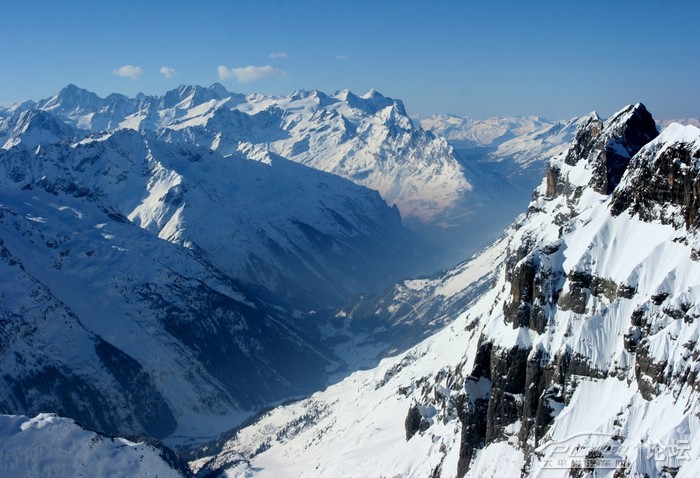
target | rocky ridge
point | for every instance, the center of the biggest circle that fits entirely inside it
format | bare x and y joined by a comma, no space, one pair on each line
581,357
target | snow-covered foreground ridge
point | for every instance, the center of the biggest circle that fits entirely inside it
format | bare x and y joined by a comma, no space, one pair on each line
368,139
582,360
47,445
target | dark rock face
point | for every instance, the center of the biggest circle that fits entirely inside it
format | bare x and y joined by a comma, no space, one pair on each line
612,155
584,139
473,408
649,374
473,416
535,290
672,179
527,386
509,373
412,423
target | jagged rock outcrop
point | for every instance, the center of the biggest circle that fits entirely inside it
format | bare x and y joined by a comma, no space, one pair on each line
627,132
531,383
665,182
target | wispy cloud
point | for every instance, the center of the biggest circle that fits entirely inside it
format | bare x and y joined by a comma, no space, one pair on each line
341,57
128,71
275,55
250,73
168,72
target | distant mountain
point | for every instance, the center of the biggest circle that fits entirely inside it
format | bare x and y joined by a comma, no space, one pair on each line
579,360
686,121
368,139
464,132
517,147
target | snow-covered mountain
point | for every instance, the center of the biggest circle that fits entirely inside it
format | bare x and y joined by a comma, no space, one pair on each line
368,139
580,360
444,193
517,147
307,236
48,445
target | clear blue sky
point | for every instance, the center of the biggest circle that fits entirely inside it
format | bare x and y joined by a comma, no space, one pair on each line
555,59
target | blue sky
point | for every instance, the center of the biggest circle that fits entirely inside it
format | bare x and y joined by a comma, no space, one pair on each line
555,59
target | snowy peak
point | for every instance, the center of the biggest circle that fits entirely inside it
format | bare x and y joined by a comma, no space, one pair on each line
622,136
189,96
71,100
368,139
601,150
369,103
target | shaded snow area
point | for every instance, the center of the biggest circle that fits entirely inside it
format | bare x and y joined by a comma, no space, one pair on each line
580,360
47,445
127,333
309,237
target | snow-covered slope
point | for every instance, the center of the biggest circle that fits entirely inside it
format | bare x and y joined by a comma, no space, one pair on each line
48,445
34,127
582,358
105,323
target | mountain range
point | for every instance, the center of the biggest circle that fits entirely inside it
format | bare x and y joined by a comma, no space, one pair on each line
440,191
181,266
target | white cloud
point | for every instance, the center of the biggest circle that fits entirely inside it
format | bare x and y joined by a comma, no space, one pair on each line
250,73
341,57
128,71
278,54
168,72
